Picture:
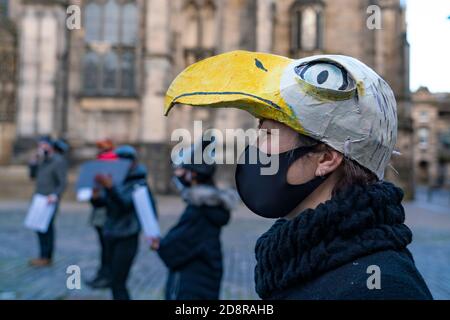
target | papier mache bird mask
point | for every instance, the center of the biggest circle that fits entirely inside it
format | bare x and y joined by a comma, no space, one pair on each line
332,98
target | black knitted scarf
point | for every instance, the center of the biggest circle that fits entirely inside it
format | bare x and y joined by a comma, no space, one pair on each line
353,224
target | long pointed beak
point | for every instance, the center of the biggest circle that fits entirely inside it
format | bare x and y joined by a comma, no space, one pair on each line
239,79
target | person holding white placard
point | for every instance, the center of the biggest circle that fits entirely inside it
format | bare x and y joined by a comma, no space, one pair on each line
122,227
105,152
49,170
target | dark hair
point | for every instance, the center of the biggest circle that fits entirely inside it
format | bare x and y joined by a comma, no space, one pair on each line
204,179
46,139
352,172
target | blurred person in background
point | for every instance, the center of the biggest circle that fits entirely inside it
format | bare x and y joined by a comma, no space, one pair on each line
105,152
48,169
192,249
122,227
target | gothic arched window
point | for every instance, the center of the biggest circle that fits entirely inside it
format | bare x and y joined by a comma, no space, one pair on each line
111,23
111,33
90,79
191,29
129,25
199,31
93,18
3,8
207,15
110,70
306,25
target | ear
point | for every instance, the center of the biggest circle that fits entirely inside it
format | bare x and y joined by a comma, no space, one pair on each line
328,161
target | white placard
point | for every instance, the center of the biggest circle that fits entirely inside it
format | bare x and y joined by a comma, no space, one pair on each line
39,213
144,208
84,194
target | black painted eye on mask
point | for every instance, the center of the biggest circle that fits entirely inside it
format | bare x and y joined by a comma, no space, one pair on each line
271,196
325,75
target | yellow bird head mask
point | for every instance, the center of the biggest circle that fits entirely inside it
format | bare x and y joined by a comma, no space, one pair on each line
332,98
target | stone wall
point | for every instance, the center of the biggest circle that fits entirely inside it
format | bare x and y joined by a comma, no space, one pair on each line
8,60
7,136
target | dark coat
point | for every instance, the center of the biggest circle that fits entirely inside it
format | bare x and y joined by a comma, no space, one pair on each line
50,175
98,214
336,250
192,250
122,220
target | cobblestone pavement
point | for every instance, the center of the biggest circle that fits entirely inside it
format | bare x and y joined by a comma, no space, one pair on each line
77,245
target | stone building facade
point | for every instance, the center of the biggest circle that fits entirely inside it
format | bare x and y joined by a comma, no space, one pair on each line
8,47
108,78
431,121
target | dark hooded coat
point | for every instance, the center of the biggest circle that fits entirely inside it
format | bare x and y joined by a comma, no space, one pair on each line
122,220
192,250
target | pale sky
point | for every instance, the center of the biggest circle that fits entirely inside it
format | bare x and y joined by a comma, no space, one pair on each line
429,39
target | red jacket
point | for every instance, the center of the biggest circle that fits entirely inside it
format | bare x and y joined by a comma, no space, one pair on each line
107,156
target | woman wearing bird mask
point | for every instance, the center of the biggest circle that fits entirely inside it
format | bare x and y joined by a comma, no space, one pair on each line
340,231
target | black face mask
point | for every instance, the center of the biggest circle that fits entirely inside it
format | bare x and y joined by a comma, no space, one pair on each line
186,183
271,196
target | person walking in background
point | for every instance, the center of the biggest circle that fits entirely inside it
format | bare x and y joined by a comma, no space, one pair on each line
192,250
105,152
49,170
122,227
